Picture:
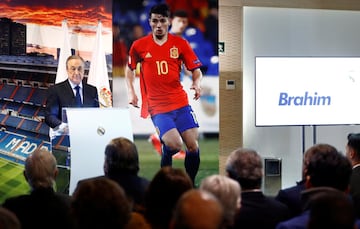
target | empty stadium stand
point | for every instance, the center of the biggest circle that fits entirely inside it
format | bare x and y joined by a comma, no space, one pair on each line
23,85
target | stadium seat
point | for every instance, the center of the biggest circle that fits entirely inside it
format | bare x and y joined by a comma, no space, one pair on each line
22,94
7,91
38,97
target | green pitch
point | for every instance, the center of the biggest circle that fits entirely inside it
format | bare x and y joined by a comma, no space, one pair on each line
150,159
12,181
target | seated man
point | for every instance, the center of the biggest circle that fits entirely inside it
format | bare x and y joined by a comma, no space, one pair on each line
197,209
327,169
43,207
257,210
122,165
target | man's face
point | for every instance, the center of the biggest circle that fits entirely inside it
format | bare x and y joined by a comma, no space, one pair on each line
179,24
75,70
159,25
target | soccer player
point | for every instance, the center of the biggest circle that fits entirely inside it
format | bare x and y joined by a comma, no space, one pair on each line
163,97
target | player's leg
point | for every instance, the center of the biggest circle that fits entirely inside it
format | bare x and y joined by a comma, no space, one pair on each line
172,143
170,137
187,125
192,158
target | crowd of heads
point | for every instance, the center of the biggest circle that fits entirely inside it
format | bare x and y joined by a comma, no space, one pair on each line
172,201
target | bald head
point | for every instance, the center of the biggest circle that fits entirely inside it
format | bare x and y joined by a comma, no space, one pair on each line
198,209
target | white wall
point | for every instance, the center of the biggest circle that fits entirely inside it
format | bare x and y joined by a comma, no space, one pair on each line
294,32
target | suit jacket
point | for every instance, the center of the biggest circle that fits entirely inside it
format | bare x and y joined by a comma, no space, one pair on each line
42,208
301,221
355,189
134,186
260,211
61,95
292,197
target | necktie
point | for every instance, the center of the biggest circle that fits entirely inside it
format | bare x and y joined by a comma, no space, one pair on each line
77,96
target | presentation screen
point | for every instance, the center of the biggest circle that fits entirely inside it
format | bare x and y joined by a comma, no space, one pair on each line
307,91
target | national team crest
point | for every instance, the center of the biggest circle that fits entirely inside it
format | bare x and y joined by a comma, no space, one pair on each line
174,52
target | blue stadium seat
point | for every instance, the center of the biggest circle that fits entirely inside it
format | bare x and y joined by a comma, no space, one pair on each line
7,90
44,129
2,117
22,94
30,125
12,106
28,110
2,104
38,97
12,121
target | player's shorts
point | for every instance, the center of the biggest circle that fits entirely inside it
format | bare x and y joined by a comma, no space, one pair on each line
182,119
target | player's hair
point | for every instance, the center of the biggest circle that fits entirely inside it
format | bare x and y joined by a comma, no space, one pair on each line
179,13
162,9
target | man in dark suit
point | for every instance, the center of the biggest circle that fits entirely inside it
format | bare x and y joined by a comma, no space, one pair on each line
73,92
353,153
64,94
327,169
122,165
43,207
257,210
292,196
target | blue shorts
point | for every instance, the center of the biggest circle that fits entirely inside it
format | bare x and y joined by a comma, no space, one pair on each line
182,119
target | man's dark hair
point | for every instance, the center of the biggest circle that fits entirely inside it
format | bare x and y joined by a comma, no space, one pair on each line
328,167
121,155
162,9
180,13
245,166
354,142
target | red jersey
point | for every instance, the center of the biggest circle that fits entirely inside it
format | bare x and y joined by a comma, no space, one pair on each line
161,88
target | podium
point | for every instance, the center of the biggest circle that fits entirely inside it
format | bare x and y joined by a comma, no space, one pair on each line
90,130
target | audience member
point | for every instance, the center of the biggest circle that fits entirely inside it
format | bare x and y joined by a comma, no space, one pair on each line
292,196
228,192
100,203
332,209
137,221
257,210
197,209
353,154
8,219
327,168
164,190
43,207
122,165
